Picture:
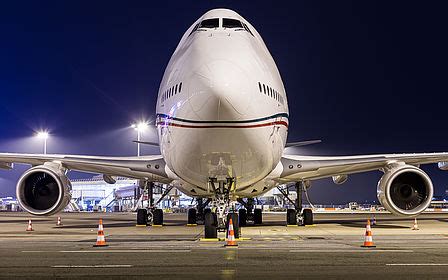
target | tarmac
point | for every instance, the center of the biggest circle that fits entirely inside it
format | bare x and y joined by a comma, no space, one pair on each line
329,249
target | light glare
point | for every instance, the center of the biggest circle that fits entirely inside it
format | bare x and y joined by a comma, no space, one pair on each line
141,126
43,134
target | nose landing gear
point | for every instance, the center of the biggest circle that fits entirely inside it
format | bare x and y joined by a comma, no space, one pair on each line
217,220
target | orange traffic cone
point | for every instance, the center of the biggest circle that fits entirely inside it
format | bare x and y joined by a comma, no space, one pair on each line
231,242
30,226
415,226
100,240
59,223
368,241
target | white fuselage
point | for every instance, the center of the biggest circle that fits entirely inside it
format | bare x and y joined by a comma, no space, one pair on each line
222,109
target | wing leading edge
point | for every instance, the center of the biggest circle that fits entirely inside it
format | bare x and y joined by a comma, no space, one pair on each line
152,168
299,168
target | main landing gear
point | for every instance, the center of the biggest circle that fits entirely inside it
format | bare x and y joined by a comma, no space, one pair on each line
197,215
151,215
248,213
298,215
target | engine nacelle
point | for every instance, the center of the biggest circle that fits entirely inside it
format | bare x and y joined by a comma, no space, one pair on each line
405,190
44,190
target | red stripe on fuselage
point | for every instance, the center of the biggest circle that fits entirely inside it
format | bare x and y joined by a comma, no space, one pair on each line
224,126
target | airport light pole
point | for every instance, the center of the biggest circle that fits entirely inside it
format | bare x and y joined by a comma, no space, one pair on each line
44,136
139,127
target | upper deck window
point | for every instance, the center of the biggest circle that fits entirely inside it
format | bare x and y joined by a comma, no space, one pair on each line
209,23
231,23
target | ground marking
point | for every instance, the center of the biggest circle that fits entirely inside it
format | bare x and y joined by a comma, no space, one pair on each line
350,251
417,264
113,251
93,266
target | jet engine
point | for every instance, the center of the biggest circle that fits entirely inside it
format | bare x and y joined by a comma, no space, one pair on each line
44,190
405,189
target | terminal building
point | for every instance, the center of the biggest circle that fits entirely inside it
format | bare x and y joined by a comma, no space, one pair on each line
94,194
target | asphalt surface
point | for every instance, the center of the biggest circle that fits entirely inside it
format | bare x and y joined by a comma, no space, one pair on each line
331,248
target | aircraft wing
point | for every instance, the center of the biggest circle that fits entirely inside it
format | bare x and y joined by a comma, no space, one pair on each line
152,168
297,168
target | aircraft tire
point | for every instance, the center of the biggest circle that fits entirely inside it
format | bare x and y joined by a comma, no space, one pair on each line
258,216
242,214
158,217
236,224
192,219
142,217
211,231
307,216
291,218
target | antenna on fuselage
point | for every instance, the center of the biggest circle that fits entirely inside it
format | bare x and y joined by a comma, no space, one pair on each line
302,143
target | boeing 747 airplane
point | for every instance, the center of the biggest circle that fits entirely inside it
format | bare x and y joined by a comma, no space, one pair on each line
222,121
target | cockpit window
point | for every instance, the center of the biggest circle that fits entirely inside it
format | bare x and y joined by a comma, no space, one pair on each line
209,23
231,23
247,29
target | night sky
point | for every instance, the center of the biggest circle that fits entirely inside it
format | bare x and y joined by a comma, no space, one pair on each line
363,76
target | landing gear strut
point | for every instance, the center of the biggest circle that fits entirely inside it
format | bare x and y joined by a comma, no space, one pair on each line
219,219
298,215
151,215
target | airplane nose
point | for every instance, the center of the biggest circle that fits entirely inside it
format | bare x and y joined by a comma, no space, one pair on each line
220,90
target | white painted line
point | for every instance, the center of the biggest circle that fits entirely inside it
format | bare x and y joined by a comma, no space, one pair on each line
417,264
352,251
93,266
127,251
114,251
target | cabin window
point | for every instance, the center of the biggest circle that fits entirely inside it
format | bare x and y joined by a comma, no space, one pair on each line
175,91
259,86
264,89
180,87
